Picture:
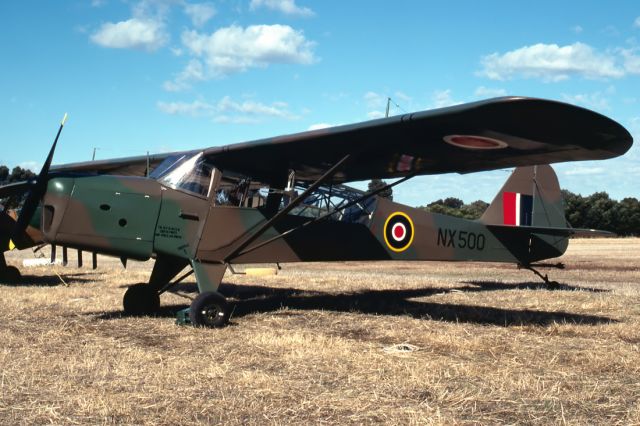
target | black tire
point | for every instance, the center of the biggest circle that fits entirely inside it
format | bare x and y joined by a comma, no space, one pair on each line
210,309
11,275
141,299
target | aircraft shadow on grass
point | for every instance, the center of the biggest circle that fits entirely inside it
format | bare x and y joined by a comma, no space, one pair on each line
249,299
497,285
50,280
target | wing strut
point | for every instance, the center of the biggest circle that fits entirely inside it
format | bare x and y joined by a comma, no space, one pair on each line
328,214
299,199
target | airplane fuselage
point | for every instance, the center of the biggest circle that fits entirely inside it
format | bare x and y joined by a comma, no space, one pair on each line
136,217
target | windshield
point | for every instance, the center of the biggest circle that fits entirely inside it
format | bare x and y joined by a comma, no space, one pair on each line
185,172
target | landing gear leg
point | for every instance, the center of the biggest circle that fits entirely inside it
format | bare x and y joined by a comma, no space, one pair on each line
552,285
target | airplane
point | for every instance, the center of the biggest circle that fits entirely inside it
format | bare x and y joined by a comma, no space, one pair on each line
285,199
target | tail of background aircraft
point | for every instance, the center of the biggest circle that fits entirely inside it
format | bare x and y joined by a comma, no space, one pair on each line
531,197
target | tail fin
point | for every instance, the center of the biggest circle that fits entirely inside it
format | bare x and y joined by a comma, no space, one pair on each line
531,197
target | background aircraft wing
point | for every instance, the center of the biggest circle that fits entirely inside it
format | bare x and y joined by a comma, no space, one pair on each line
126,166
486,135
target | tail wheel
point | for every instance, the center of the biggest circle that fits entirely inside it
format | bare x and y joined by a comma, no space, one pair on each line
210,309
141,299
10,275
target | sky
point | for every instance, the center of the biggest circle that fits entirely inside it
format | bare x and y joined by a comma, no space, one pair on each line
167,75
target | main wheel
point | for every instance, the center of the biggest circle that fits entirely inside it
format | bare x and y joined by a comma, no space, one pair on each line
11,275
209,309
141,299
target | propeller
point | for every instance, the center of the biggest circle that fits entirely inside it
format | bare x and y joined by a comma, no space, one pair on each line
34,196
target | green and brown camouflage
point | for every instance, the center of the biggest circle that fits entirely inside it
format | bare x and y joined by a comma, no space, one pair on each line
275,200
137,217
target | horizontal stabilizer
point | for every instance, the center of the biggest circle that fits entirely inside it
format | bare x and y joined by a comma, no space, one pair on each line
559,232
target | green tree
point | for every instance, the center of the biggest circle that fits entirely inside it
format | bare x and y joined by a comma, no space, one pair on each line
379,183
19,174
599,211
4,173
628,217
456,207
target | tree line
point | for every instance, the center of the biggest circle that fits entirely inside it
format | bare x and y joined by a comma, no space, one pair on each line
596,211
17,174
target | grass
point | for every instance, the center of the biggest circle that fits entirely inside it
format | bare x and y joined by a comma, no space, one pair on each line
347,343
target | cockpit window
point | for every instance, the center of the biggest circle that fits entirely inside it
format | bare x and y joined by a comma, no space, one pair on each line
167,165
188,173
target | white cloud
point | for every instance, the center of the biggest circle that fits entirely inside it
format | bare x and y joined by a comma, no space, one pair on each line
631,60
582,171
551,62
610,31
34,166
487,92
194,109
320,126
134,33
200,13
334,97
443,98
277,109
227,110
376,104
636,23
374,100
235,49
288,7
596,100
402,97
577,29
154,9
194,71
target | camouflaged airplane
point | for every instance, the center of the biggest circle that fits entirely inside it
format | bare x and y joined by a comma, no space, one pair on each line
284,199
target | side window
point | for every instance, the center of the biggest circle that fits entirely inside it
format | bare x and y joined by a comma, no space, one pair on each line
240,191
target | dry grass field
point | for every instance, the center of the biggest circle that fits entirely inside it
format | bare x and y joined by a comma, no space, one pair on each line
333,343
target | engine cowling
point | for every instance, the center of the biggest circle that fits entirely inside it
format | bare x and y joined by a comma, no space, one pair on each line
106,214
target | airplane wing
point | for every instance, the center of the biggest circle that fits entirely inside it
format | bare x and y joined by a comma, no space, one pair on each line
486,135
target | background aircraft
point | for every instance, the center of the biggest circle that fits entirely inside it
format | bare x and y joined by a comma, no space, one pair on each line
284,199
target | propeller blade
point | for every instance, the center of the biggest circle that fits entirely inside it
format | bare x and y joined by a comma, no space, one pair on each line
37,192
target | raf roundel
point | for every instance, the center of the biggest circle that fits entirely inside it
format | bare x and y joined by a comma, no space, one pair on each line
398,231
